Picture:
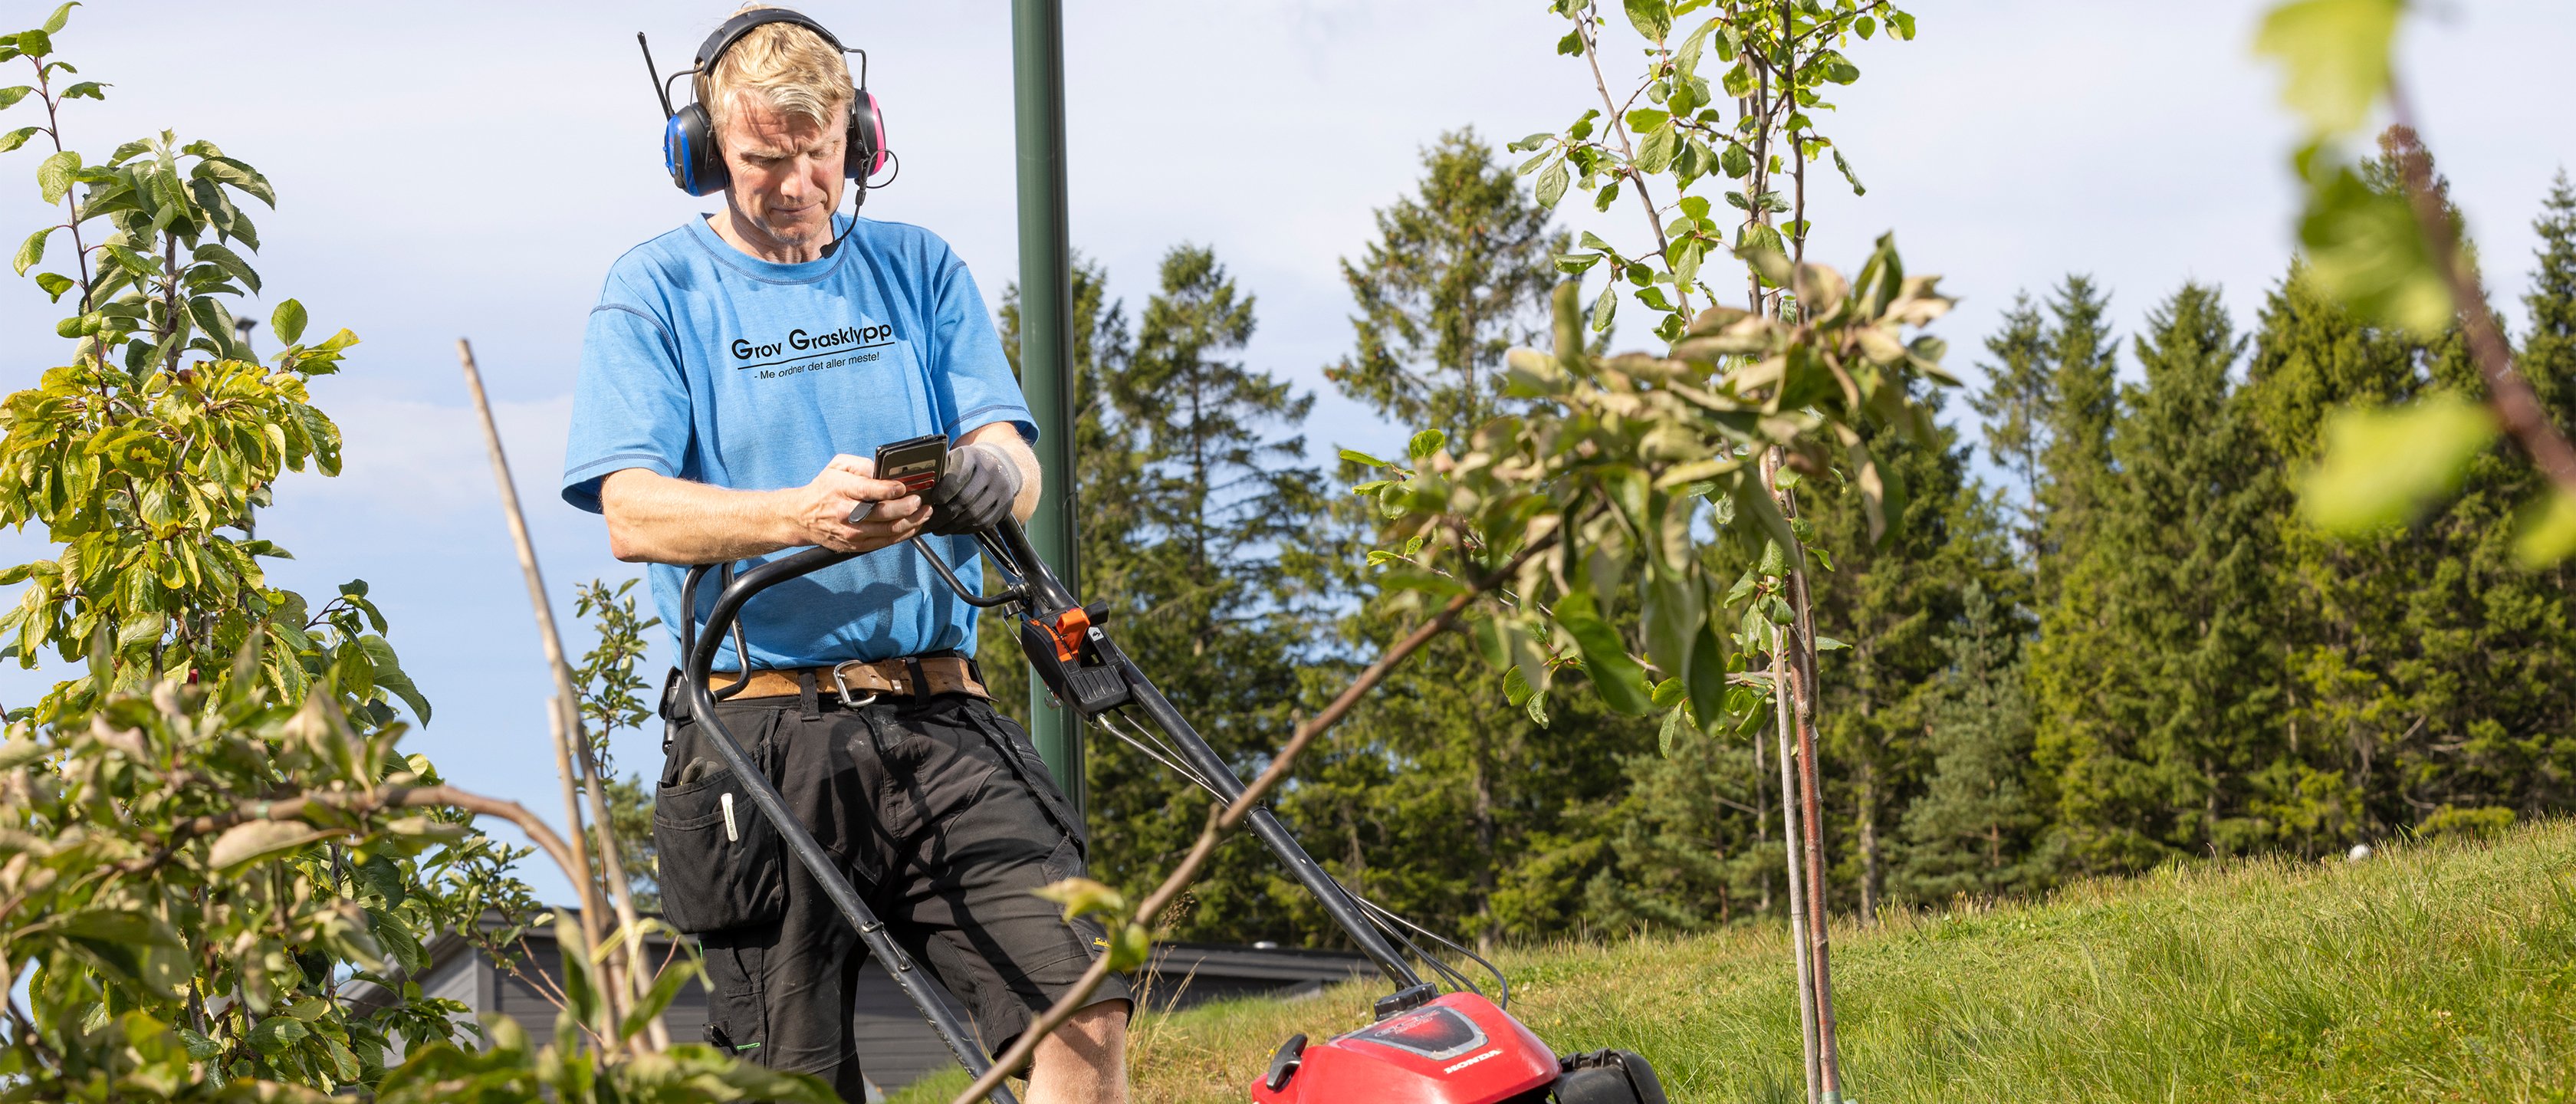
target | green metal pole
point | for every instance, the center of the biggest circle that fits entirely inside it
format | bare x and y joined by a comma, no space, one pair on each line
1046,337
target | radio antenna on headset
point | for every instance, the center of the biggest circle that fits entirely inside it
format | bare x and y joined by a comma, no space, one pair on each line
660,90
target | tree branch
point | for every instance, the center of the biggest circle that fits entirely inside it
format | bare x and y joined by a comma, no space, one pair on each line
1222,820
2510,395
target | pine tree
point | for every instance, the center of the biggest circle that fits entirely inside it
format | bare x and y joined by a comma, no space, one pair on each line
1976,827
1459,274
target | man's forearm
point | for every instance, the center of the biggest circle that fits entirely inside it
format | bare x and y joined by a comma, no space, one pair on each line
653,518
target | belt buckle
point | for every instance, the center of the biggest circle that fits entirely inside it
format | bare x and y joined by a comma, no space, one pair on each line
842,684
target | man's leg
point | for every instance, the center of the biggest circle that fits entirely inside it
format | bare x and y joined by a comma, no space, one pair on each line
1085,1061
980,826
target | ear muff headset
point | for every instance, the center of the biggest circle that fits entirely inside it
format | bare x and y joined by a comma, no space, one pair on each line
689,148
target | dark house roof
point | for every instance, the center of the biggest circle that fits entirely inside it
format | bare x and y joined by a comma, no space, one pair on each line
894,1044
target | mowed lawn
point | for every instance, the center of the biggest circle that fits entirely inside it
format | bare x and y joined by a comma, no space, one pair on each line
2433,972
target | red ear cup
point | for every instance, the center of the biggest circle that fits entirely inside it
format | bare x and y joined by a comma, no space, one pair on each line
867,152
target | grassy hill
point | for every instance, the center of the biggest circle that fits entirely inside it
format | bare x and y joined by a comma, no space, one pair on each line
2429,972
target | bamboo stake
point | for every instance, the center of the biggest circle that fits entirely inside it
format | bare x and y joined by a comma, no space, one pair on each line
1797,891
1819,936
1791,839
571,747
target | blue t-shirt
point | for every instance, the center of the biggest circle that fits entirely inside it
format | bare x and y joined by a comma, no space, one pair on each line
705,363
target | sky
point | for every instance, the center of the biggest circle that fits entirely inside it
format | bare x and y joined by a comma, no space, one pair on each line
470,169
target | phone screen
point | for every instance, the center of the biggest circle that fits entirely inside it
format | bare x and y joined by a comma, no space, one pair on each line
916,463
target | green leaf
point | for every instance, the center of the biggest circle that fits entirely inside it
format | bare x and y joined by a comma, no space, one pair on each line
2384,466
287,322
1706,679
1425,443
1551,184
666,988
1614,673
1827,644
2333,55
62,15
54,176
1082,897
1664,737
1363,459
2547,532
252,840
16,138
2364,248
85,90
231,262
390,676
1652,18
35,44
1655,154
32,250
1845,168
276,1033
1605,307
55,284
1647,118
1904,24
10,96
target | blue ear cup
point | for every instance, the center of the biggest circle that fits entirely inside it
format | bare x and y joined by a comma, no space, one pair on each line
689,153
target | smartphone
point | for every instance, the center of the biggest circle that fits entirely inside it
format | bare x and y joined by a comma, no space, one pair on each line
916,463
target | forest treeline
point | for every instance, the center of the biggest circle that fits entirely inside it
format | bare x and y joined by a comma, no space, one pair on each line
2126,648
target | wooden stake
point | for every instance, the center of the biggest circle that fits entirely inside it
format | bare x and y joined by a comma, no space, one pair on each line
572,750
1792,841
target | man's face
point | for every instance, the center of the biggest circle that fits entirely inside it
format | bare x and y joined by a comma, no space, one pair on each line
786,172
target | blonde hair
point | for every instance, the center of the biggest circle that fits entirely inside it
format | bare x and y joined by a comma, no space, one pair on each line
789,66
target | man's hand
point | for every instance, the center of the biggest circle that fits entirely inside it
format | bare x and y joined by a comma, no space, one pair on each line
976,491
820,512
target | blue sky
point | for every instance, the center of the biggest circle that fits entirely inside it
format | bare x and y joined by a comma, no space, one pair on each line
472,168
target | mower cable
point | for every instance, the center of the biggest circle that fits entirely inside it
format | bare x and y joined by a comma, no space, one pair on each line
1380,915
1172,764
1500,979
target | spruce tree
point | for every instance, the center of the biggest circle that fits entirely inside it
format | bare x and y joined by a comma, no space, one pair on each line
1460,273
2081,359
1975,829
2549,351
2157,671
2016,403
1888,601
1436,796
1218,598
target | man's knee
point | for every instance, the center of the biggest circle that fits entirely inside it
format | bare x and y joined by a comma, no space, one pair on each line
1094,1032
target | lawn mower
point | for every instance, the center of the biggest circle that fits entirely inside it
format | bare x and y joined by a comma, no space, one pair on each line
1425,1046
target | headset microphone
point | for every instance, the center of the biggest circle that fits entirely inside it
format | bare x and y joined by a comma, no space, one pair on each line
689,149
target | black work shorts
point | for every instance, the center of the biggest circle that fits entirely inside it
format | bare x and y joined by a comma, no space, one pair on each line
944,819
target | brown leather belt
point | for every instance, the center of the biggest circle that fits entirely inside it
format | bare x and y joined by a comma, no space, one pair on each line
859,682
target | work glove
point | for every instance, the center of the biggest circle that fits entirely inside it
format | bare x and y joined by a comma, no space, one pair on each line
976,491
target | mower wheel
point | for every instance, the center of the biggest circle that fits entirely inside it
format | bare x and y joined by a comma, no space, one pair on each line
1609,1077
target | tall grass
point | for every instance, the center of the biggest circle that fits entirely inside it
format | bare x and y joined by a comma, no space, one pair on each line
2433,972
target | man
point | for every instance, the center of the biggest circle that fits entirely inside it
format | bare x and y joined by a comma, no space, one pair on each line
737,375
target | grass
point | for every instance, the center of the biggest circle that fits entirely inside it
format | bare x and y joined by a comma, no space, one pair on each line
2433,972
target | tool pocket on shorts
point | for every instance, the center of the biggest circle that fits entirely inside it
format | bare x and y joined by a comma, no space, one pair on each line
719,856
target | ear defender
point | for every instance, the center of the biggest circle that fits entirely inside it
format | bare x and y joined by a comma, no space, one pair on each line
689,150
